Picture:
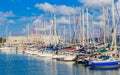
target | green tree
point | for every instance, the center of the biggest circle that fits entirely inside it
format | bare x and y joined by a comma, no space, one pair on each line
2,40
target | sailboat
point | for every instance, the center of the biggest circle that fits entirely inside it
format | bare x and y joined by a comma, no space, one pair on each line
109,59
7,47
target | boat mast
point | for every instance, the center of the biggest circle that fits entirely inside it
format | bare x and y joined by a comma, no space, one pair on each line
38,31
104,27
43,30
80,23
74,28
108,26
51,23
28,31
64,35
6,34
83,27
114,27
93,38
50,33
54,32
70,28
87,28
54,23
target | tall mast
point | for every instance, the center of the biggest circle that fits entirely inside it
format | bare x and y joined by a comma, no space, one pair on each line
54,32
50,34
51,23
80,23
37,27
74,29
38,32
28,31
70,28
114,27
43,30
44,27
93,37
64,35
6,32
104,27
108,26
54,24
83,27
87,27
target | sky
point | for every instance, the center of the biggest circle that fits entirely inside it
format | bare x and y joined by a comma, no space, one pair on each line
16,15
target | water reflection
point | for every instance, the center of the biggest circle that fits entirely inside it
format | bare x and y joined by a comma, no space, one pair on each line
22,64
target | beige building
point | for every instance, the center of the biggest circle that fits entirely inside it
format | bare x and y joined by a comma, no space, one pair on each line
33,37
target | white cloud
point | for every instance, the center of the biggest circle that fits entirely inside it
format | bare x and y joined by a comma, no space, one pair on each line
39,20
4,17
56,9
26,29
59,20
118,5
48,22
63,20
33,22
6,14
11,21
24,19
95,3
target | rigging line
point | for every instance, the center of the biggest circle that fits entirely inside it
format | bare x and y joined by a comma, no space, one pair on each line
117,13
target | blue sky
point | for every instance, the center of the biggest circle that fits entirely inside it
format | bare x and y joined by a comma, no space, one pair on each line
27,7
19,9
17,14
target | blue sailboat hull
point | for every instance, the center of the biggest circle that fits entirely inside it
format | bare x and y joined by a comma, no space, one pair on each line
104,64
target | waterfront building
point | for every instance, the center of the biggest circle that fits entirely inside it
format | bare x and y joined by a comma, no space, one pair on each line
47,39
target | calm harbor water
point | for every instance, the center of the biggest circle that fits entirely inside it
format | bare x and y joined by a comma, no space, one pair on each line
22,64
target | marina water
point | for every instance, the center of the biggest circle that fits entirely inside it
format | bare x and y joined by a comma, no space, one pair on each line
23,64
